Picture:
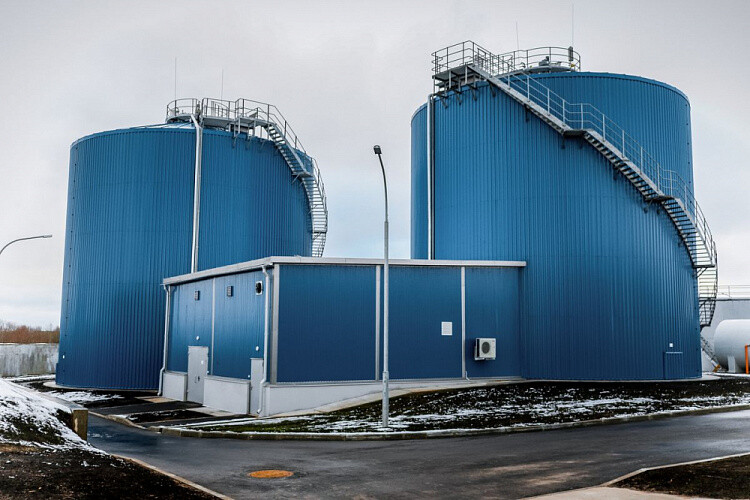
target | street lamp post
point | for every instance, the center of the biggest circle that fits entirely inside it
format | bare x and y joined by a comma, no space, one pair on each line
385,295
27,238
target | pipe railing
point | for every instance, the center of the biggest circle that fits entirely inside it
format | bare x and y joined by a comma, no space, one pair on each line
734,292
469,52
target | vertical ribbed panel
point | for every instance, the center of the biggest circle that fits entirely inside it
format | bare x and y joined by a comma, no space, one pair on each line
190,322
129,226
421,299
419,185
493,311
238,325
326,323
251,207
608,285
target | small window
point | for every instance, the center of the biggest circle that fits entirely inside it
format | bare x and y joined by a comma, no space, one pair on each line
197,295
230,291
258,287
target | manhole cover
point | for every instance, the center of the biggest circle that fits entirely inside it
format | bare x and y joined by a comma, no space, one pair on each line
270,474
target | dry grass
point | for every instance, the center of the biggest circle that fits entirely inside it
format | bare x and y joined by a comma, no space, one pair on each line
21,334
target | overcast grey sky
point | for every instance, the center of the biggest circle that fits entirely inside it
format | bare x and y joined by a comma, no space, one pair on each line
347,75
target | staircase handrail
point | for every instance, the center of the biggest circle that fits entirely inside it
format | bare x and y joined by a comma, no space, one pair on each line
656,183
586,117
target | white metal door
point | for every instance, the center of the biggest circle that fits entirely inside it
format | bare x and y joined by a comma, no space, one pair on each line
197,371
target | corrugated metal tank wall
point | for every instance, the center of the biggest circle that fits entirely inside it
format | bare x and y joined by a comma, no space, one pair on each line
419,186
129,225
609,287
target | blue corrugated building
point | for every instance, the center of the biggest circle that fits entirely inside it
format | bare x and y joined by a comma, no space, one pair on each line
319,323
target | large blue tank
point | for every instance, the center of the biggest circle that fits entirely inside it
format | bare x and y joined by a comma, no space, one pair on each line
130,224
609,291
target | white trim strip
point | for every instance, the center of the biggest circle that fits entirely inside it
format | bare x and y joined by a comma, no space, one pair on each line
463,322
213,322
275,325
273,261
430,194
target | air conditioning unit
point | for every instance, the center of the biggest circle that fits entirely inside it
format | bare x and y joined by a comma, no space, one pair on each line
484,349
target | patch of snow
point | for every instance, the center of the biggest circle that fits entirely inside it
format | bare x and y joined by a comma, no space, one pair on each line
82,397
19,406
479,408
30,378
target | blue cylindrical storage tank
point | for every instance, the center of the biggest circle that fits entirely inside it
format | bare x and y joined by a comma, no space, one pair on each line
609,292
129,225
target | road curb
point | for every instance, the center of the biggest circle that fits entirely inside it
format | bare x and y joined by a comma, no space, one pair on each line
394,436
119,420
177,478
613,482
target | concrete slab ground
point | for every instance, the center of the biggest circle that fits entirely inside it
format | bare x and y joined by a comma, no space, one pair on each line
610,494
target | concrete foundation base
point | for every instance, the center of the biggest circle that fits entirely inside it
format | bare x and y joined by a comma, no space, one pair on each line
228,394
240,397
174,385
283,399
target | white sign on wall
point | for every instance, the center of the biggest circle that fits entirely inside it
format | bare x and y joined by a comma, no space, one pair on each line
446,328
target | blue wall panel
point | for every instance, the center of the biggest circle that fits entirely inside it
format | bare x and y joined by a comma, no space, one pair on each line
238,325
190,322
129,226
326,325
493,311
327,317
608,285
421,298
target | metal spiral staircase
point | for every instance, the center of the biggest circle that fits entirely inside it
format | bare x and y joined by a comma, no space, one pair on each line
260,119
458,67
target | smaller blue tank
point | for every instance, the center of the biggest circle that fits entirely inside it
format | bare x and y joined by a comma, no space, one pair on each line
130,224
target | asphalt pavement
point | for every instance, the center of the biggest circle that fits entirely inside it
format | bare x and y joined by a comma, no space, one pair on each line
501,466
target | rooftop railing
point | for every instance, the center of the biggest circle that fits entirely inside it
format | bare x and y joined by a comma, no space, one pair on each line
539,58
734,292
248,115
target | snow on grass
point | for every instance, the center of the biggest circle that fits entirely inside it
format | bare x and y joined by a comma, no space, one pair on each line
83,397
519,405
29,420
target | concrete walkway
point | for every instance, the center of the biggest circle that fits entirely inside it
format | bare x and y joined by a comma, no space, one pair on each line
504,466
609,494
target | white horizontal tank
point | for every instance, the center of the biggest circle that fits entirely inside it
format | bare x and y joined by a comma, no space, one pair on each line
730,339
